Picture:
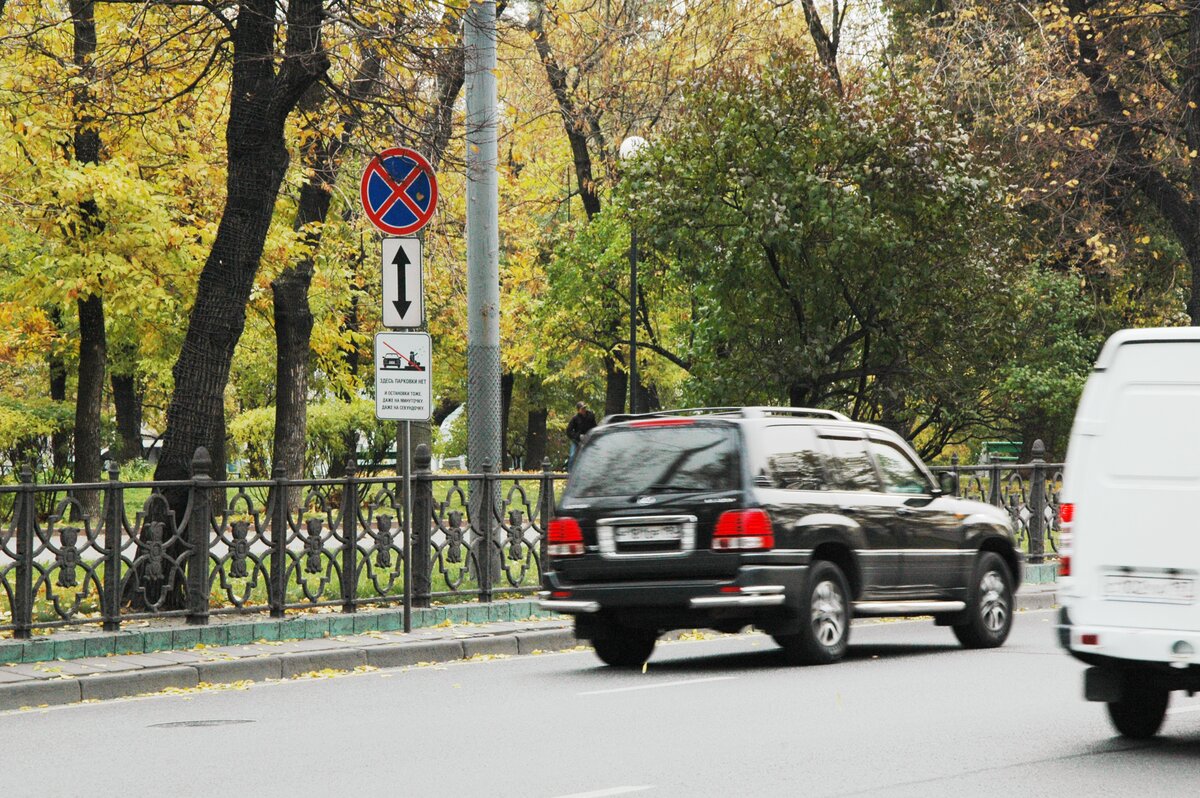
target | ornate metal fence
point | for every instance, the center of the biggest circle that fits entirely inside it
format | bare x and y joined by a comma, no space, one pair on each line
275,545
1028,491
278,545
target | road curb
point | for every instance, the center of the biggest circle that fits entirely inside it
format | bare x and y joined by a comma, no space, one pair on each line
34,694
37,690
51,684
150,680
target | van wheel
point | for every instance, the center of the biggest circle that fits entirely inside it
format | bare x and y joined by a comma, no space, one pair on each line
1143,705
622,647
824,618
989,613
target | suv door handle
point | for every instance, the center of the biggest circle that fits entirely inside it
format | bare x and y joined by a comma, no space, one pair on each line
904,511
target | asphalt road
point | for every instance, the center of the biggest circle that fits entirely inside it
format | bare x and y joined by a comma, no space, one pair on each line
907,714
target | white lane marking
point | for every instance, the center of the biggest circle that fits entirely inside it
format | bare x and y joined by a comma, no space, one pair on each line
656,685
609,791
1181,710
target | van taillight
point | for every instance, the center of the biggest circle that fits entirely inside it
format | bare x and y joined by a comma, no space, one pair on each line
746,530
1066,517
564,538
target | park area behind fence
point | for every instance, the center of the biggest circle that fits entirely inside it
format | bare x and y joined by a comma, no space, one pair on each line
111,552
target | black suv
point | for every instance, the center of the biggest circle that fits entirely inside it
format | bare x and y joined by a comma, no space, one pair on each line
788,519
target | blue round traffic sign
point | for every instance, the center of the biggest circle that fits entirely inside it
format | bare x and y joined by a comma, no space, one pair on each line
399,191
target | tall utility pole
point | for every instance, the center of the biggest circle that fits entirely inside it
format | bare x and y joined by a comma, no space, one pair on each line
483,239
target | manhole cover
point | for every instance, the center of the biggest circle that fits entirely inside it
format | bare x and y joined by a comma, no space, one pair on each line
181,724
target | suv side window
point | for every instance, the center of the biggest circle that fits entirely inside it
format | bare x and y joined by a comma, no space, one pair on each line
900,474
852,468
793,458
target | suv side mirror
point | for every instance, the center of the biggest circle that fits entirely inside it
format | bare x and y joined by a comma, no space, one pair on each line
946,482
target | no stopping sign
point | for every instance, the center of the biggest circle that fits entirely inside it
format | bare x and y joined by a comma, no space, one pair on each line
399,191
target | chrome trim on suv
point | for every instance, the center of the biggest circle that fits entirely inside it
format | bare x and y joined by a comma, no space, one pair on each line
903,607
751,596
606,535
559,605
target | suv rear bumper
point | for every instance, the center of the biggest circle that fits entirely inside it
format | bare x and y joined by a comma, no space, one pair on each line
756,592
754,596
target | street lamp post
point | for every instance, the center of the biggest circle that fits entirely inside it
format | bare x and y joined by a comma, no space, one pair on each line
629,150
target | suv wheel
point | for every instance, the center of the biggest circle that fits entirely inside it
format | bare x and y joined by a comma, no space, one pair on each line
623,647
824,617
1139,714
989,612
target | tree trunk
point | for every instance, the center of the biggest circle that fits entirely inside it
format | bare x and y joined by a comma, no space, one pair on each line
293,315
826,41
89,398
260,102
535,439
507,379
60,440
92,359
128,402
1134,161
352,357
648,400
616,385
293,330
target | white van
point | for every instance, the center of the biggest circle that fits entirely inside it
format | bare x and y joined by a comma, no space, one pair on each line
1130,512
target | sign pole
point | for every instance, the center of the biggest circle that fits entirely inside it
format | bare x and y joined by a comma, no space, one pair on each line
406,493
399,196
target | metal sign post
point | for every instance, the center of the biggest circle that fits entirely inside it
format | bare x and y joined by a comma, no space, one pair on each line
399,195
403,392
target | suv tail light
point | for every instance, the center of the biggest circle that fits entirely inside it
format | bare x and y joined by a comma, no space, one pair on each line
747,530
1066,518
564,538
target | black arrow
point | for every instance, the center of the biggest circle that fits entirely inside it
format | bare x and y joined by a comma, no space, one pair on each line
400,261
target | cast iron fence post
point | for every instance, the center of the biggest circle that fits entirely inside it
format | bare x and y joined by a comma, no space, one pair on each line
994,485
199,526
26,520
421,569
486,508
954,473
114,514
547,501
1037,503
277,578
350,536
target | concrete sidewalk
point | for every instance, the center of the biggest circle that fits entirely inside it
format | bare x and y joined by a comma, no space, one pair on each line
29,685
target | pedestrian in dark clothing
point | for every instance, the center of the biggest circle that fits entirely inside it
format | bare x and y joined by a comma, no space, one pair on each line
581,424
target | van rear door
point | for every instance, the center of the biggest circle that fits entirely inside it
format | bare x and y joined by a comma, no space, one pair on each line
1133,475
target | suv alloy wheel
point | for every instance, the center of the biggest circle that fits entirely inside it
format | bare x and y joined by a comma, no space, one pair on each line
825,619
988,618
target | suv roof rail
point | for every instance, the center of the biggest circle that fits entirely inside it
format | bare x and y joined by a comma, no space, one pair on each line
739,412
812,412
617,418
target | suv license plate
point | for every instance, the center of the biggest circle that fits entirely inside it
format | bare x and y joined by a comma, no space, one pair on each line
1165,589
658,533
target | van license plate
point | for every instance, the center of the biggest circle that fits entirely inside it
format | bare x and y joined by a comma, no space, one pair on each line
657,533
1165,589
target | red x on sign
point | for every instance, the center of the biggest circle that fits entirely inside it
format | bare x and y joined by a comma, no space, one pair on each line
399,191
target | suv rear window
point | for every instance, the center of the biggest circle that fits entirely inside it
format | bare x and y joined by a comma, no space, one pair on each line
633,461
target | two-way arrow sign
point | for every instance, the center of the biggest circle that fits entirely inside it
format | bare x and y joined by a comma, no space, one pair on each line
403,283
